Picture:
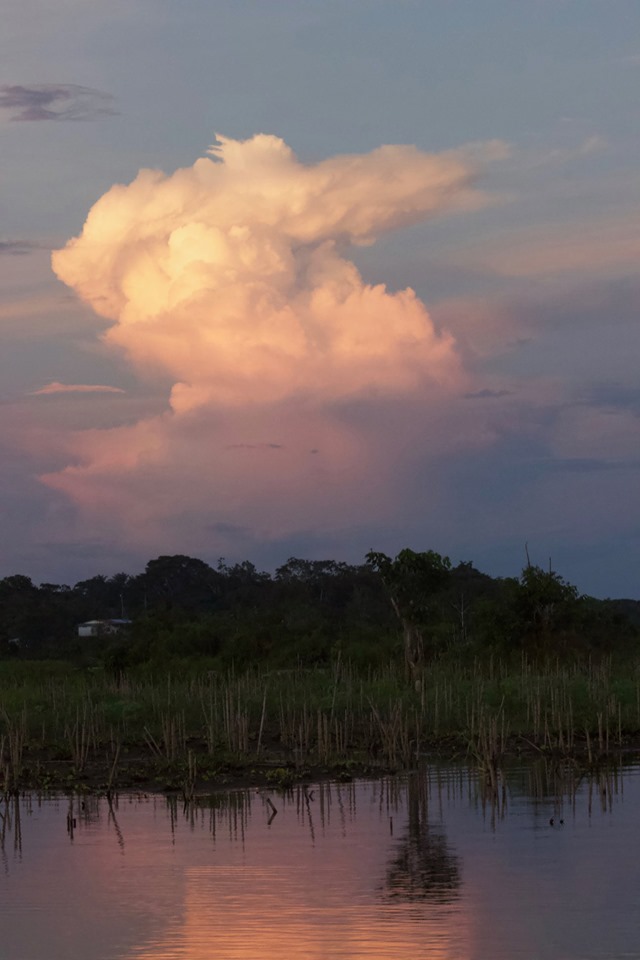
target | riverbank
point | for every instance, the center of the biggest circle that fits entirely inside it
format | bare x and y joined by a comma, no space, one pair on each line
200,774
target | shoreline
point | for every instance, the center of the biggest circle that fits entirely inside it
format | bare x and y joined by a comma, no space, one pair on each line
201,774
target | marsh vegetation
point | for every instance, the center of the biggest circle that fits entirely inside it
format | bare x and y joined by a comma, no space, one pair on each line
232,675
66,727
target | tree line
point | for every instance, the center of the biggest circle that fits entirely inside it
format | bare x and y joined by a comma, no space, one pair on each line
417,605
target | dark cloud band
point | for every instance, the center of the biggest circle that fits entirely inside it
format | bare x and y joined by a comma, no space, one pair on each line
55,101
16,248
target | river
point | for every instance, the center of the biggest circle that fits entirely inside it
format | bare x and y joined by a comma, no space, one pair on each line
432,865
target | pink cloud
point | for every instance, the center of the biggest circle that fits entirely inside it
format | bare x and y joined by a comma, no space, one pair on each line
300,393
56,387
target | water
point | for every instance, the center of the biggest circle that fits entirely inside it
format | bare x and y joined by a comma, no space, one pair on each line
422,867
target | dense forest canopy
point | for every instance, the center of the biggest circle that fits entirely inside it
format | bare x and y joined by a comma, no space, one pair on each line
310,611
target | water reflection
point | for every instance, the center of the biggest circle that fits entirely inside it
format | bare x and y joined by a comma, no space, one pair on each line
433,865
423,866
10,827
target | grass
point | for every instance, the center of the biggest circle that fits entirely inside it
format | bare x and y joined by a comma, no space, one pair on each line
62,727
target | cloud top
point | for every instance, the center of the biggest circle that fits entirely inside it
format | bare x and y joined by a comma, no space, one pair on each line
229,275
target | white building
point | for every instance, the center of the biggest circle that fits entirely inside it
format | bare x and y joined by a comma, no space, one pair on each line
101,628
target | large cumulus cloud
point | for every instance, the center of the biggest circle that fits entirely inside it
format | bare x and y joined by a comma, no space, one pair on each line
295,385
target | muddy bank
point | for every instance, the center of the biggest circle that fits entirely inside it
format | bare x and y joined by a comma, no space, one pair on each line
135,768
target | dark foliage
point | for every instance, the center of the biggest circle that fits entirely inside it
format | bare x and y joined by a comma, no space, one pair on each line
312,611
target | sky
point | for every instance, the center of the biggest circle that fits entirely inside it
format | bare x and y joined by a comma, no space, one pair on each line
312,277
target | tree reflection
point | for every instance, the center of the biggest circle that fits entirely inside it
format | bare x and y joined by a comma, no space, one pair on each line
424,868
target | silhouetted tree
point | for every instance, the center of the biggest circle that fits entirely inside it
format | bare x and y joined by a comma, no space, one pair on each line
412,581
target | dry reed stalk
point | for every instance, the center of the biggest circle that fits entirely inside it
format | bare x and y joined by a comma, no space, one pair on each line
323,737
394,734
336,680
589,750
340,737
112,772
189,785
173,735
151,742
15,739
209,711
619,724
262,719
305,728
600,734
79,739
235,724
571,726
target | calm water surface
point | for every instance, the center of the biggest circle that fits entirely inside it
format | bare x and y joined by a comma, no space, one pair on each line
423,867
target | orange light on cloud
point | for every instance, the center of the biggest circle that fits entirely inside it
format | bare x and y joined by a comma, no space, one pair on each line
230,277
55,387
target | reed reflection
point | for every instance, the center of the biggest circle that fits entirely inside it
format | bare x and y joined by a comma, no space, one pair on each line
554,783
10,827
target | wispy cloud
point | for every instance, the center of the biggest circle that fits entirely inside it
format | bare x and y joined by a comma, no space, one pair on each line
16,248
55,101
55,387
531,159
254,446
588,247
613,395
590,465
487,394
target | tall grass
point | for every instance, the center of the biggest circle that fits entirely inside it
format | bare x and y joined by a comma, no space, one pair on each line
313,716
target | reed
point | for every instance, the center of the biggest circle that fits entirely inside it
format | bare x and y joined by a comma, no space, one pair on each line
314,717
12,749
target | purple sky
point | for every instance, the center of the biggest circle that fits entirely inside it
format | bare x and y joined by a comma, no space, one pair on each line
309,342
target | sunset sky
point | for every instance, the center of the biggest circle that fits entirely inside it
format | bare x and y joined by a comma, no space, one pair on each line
310,277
